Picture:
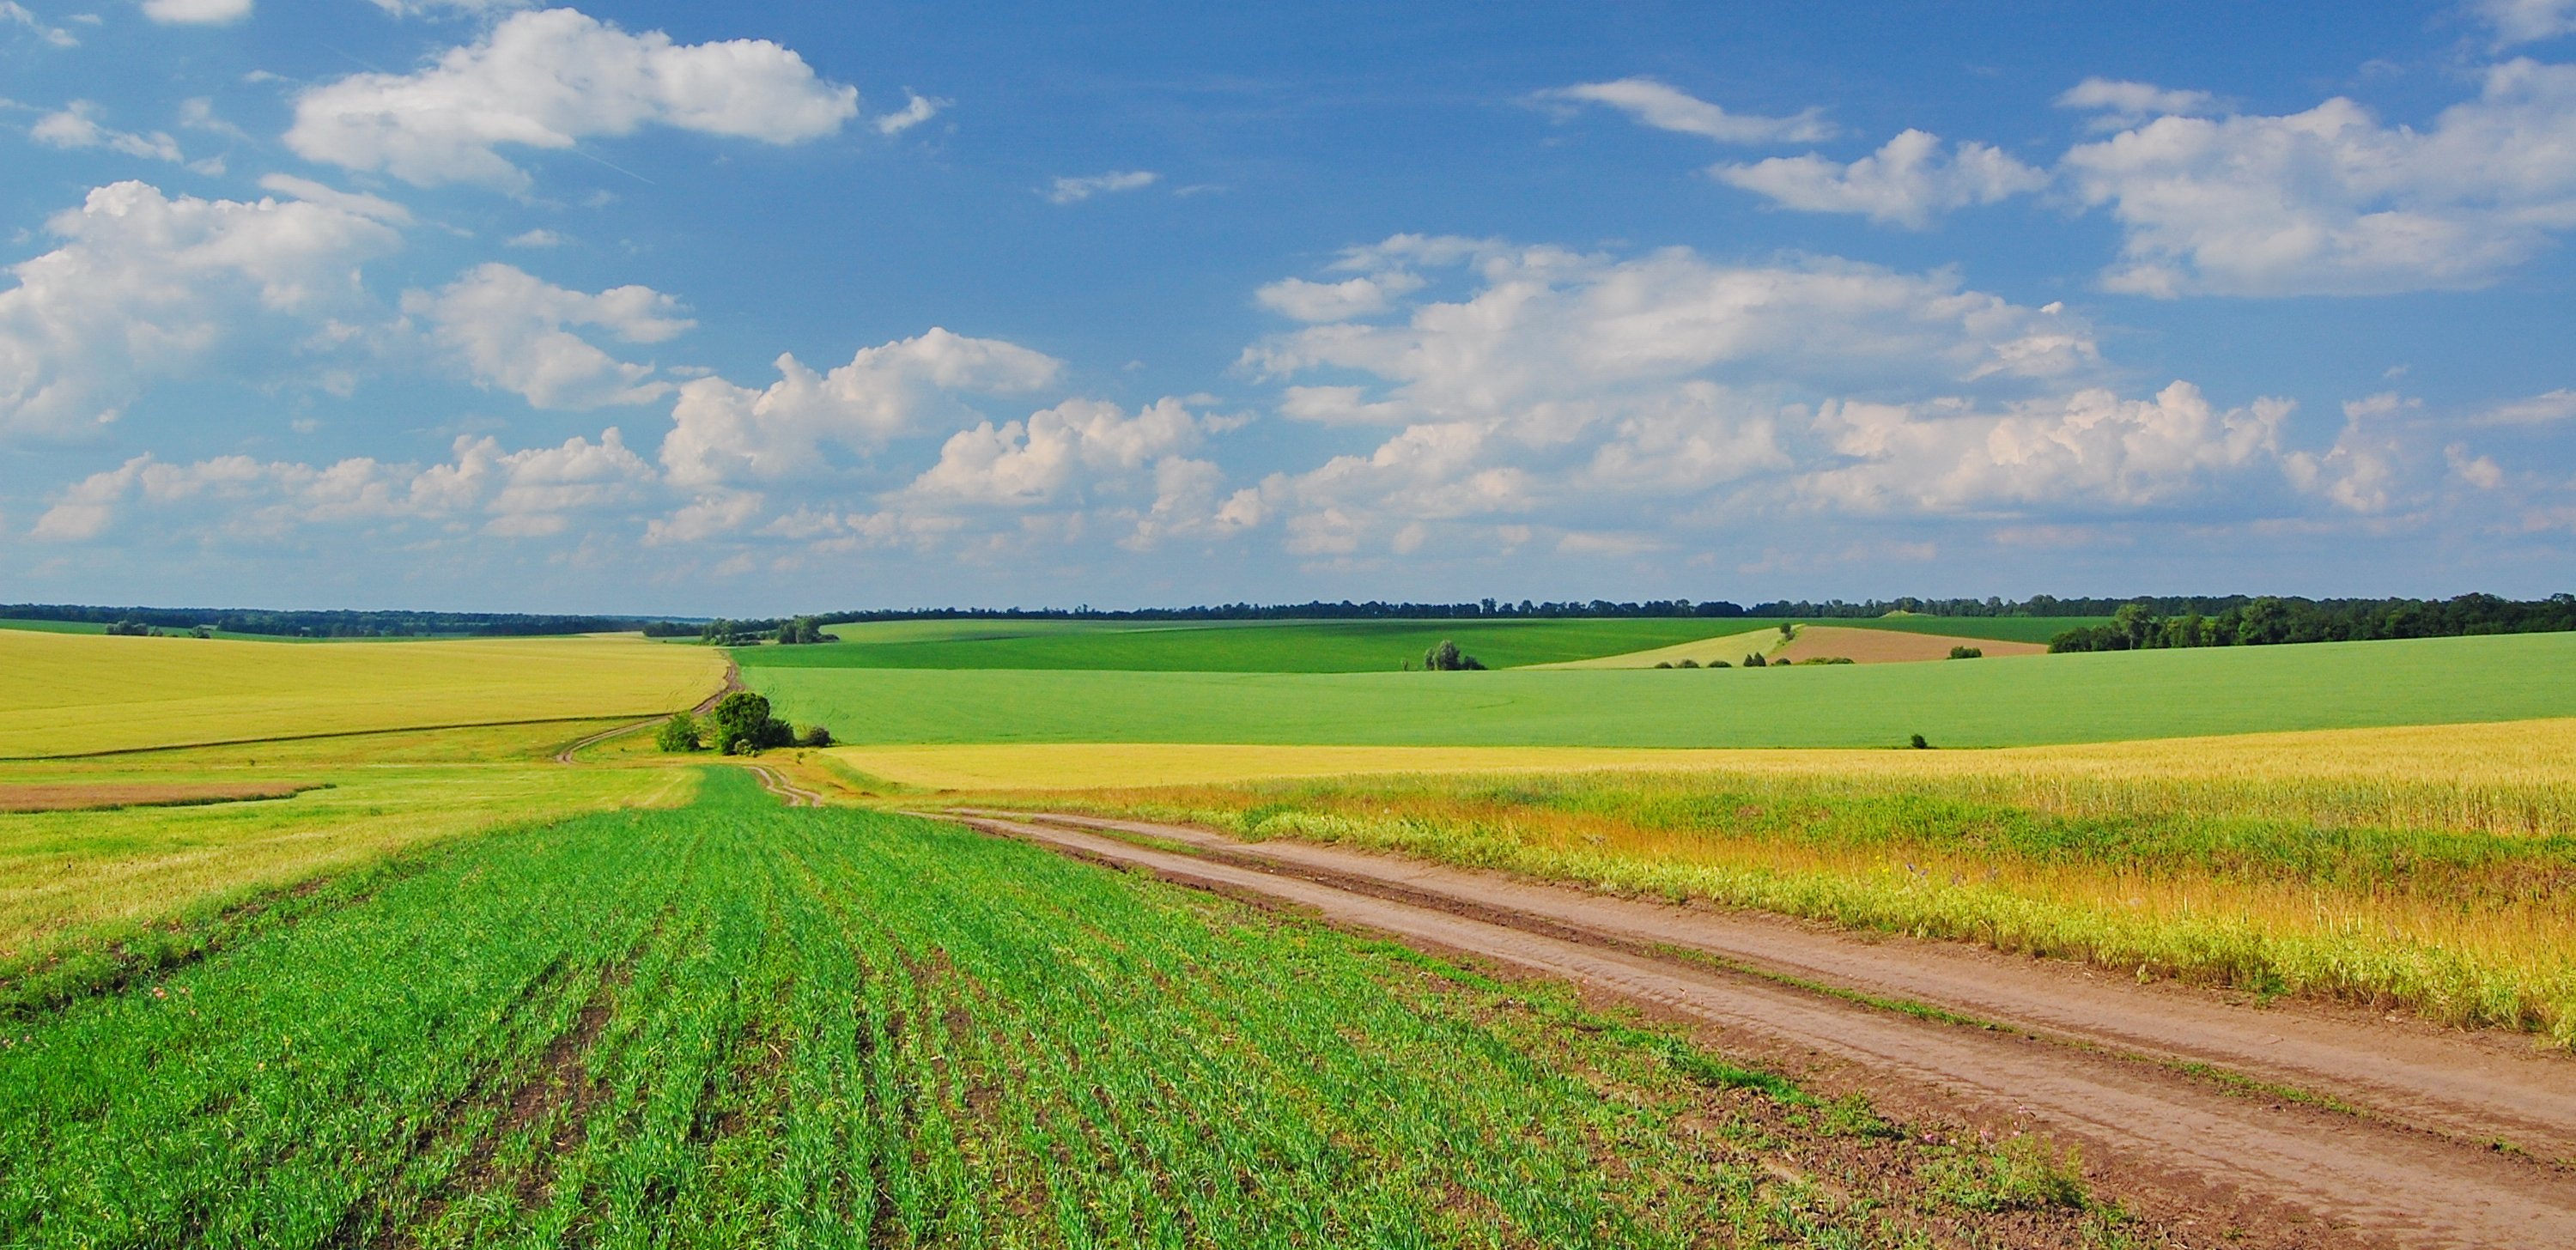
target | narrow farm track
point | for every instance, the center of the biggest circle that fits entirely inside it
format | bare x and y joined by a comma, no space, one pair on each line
2090,1059
732,682
787,791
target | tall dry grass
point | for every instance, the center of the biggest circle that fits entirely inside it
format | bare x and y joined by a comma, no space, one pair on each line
2433,869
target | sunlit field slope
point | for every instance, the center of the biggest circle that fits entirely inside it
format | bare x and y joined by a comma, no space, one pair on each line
1968,703
743,1026
72,694
1253,646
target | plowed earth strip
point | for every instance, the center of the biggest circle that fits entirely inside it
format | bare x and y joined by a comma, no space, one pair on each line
2373,1180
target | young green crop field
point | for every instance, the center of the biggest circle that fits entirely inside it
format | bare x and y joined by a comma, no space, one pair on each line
91,894
740,1025
1294,646
81,694
1975,703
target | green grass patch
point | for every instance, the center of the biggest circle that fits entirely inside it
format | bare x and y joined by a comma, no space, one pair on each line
1227,646
2028,701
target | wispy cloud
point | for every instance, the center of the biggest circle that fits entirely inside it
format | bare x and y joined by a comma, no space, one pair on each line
1076,190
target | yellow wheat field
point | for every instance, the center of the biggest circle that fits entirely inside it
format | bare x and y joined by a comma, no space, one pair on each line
70,694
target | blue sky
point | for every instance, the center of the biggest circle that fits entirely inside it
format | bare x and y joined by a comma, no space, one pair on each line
697,309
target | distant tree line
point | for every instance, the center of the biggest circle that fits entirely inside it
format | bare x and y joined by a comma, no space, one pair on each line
2236,621
1526,609
327,624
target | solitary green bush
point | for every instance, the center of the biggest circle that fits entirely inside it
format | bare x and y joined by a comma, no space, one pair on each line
1918,743
743,724
1719,664
680,733
1663,664
1447,658
1967,653
1687,662
814,736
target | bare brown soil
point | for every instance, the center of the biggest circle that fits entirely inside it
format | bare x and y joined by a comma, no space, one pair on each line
1888,646
92,796
2207,1111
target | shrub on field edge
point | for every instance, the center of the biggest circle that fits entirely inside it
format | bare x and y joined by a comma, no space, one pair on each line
680,733
1967,653
1687,662
744,725
814,736
1755,660
1447,658
1917,743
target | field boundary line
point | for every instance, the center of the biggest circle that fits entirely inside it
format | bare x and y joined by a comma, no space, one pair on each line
337,733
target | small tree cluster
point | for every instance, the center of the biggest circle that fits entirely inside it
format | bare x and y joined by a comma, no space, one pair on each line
723,633
1967,653
1755,660
130,629
679,734
1447,658
802,631
743,725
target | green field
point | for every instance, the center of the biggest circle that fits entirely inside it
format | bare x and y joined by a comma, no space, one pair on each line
1292,646
2026,701
738,1025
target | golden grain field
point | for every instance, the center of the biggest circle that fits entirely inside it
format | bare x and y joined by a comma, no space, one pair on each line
73,694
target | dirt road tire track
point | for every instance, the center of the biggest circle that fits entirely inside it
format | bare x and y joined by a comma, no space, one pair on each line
2371,1181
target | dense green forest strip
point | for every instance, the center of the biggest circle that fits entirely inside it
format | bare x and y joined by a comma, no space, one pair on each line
2022,701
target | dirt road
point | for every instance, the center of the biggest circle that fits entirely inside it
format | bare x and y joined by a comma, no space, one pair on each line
732,682
2089,1058
787,791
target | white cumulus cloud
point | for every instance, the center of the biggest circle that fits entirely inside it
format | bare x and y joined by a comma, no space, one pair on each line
76,126
2528,21
508,329
1906,183
722,432
2331,201
547,80
145,285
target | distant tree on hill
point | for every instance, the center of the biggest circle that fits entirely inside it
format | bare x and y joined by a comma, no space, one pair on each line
1755,660
679,734
743,725
1447,658
1788,630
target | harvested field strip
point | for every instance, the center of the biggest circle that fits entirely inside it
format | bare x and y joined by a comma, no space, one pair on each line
743,1025
104,694
2513,777
83,798
1887,646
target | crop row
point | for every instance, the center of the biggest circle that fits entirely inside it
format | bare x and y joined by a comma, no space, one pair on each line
738,1025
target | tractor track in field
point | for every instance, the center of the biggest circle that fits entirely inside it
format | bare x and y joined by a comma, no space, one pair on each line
2302,1125
787,791
732,682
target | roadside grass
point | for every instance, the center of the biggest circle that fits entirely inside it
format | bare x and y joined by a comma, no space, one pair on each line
90,897
81,693
737,1025
2029,701
2430,869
